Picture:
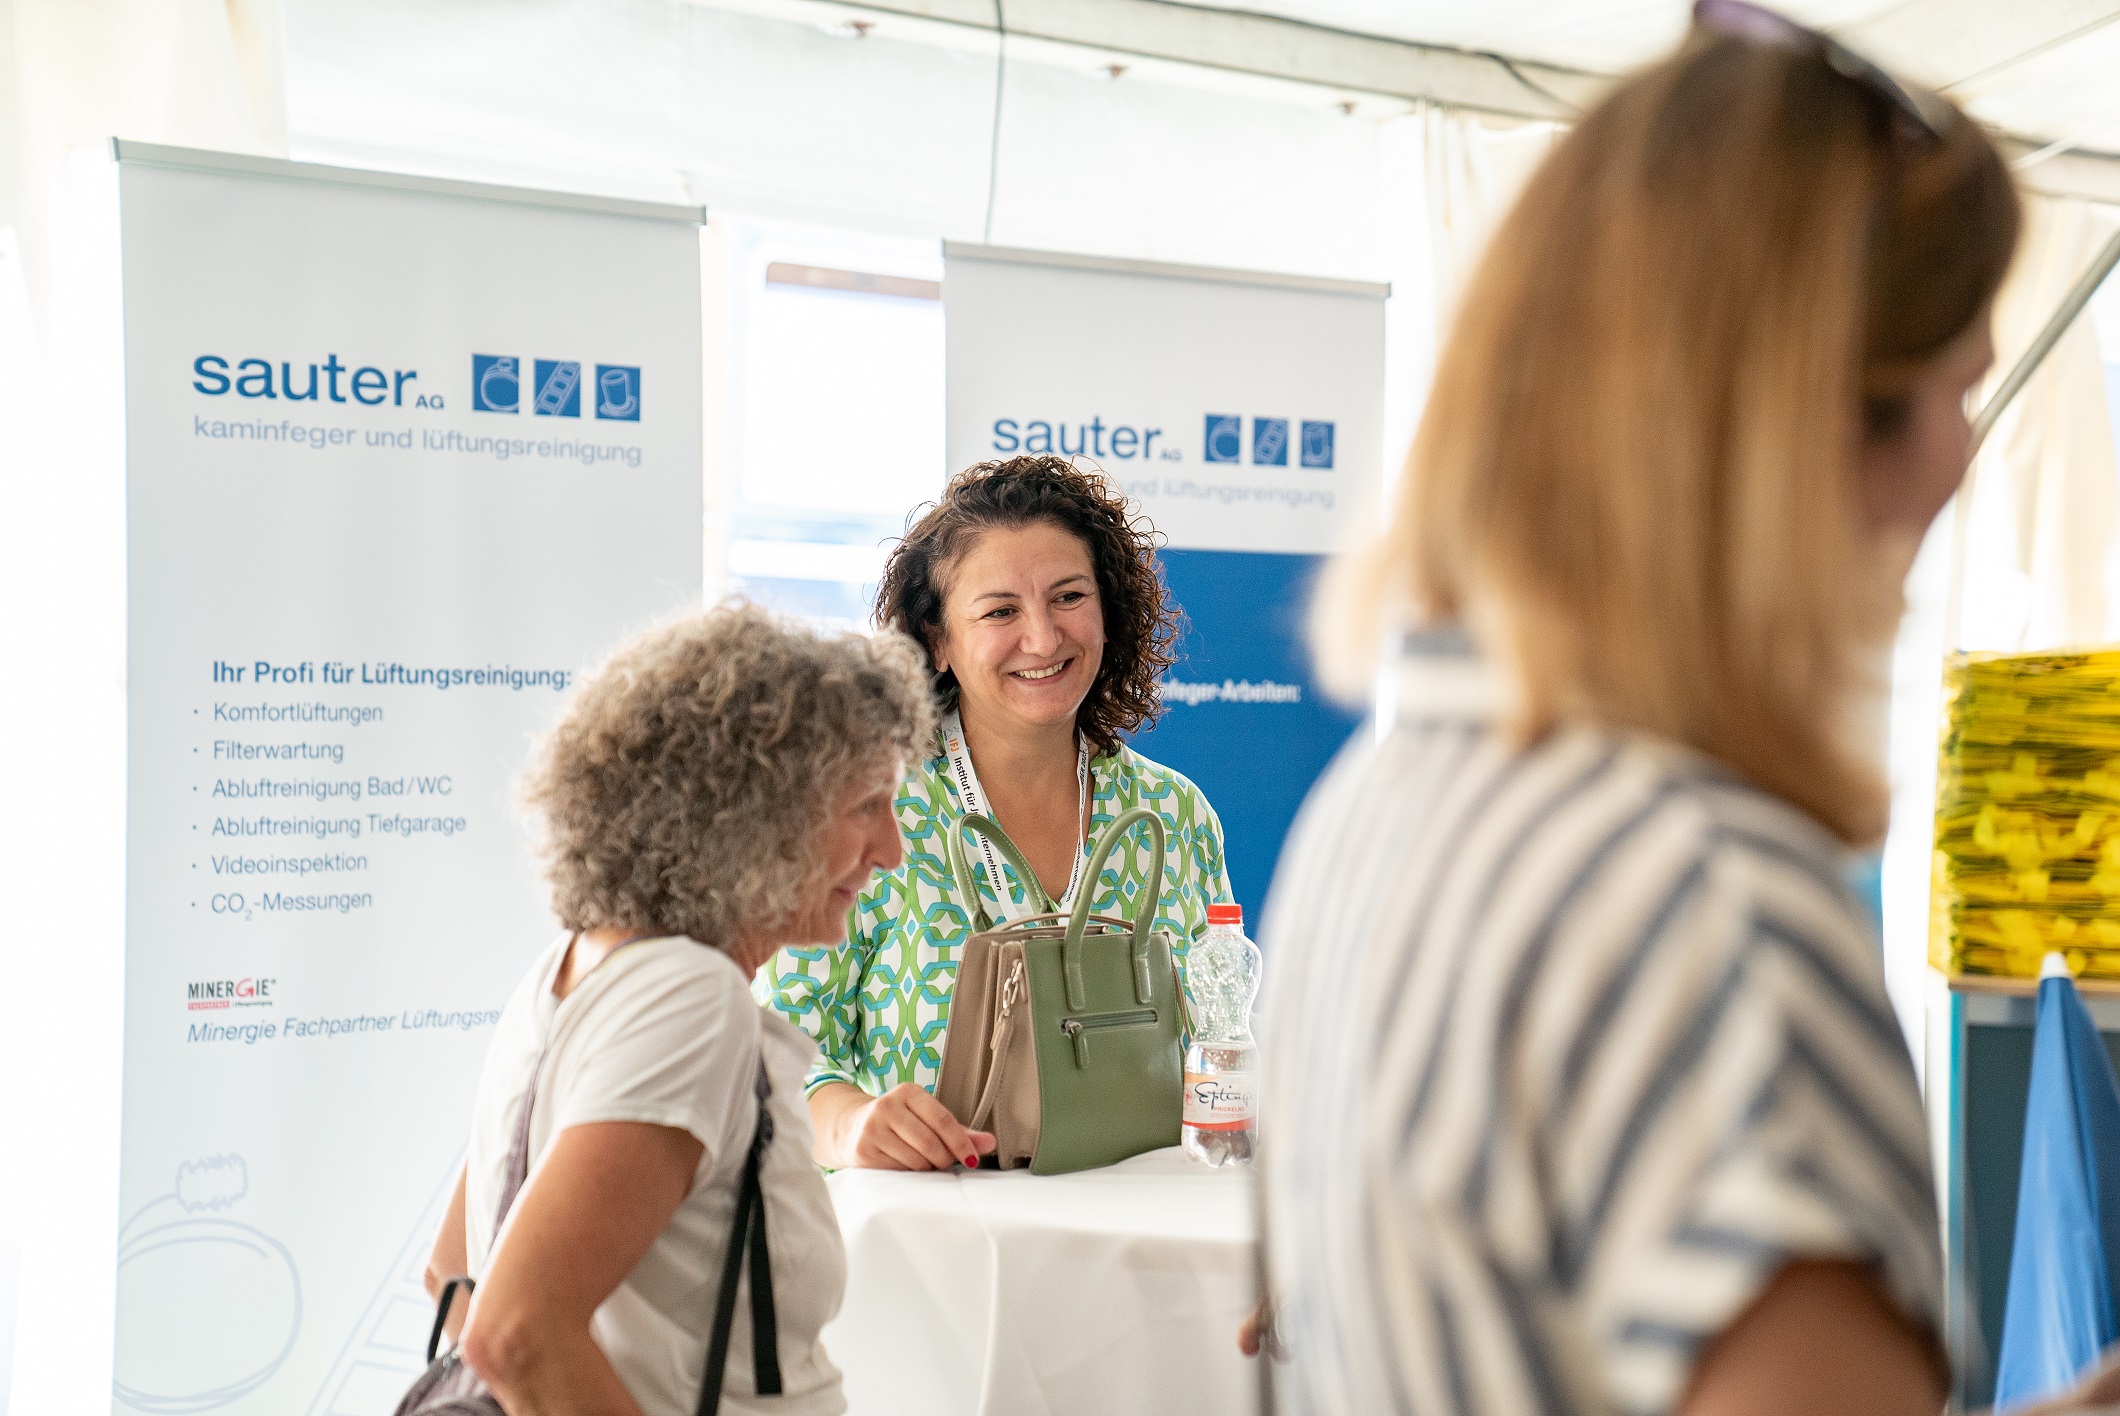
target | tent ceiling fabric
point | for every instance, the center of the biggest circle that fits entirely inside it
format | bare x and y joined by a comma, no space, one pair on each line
828,109
2041,69
1945,43
2036,69
1604,36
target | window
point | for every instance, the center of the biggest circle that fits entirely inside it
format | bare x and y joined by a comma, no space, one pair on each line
825,397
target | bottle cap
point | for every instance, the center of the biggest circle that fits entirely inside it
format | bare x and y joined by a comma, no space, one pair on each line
1225,914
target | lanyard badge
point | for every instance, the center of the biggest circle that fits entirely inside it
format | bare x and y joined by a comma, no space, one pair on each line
967,779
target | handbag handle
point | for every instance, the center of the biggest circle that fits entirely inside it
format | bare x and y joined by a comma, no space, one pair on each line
1078,918
991,829
1144,913
1053,917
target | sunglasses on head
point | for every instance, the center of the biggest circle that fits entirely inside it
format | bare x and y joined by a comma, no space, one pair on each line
1921,117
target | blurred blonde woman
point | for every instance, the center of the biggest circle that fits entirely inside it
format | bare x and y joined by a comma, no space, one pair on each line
721,787
1583,1092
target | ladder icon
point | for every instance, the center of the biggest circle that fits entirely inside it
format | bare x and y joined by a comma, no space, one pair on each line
1269,441
558,387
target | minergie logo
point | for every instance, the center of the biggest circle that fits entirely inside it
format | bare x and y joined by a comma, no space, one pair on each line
205,994
554,388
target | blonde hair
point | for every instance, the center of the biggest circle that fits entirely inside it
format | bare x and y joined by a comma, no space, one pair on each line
683,788
1635,479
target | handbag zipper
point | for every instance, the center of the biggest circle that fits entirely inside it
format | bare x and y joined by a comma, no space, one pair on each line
1011,990
1011,994
1078,1029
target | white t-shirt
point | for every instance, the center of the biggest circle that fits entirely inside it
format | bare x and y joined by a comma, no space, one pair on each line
665,1032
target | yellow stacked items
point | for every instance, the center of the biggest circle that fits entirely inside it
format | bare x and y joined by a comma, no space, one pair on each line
2028,815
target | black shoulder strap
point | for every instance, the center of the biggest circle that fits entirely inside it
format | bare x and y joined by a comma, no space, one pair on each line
747,1238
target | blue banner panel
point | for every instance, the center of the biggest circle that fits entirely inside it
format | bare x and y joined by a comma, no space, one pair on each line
1245,718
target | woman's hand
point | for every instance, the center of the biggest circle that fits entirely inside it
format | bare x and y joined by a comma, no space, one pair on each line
599,1196
904,1129
1256,1333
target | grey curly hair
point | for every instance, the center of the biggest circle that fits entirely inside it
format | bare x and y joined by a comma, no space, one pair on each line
682,788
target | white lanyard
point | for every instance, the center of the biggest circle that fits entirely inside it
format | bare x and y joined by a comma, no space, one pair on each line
974,800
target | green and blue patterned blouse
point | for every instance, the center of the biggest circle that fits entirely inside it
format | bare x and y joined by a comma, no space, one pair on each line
879,1005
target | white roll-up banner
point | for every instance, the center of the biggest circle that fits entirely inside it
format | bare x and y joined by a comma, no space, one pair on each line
1243,415
403,457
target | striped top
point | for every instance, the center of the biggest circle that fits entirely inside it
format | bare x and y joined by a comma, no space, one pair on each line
1567,1049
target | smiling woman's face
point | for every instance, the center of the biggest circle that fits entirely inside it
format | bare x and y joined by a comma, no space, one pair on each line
1022,627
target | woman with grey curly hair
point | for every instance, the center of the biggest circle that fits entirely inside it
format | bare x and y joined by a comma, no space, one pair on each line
721,787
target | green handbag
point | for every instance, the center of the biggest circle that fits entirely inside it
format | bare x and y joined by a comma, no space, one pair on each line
1063,1037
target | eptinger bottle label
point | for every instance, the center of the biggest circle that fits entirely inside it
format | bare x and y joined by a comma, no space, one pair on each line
1220,1101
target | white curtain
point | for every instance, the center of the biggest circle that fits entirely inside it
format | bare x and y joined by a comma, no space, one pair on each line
2032,541
1474,171
74,74
1469,173
2038,557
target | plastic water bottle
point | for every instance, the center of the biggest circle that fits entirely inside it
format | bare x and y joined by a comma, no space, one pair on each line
1221,1095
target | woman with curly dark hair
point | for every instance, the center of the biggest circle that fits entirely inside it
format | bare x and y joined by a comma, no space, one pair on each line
1046,624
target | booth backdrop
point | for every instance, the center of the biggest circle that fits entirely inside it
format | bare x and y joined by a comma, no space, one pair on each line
402,456
1243,415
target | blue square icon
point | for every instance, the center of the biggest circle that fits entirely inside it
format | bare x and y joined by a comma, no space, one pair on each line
1269,442
496,383
1225,438
1317,444
618,392
559,389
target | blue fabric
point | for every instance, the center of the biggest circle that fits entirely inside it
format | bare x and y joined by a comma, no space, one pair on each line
1866,883
2059,1314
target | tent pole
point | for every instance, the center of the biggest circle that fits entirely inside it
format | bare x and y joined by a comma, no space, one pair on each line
2071,306
1984,421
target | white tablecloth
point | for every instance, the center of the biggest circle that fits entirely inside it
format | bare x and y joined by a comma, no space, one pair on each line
1098,1294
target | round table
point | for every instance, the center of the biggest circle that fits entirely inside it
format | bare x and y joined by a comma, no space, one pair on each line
1001,1292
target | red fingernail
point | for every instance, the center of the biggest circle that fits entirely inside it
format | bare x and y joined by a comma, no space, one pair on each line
971,1162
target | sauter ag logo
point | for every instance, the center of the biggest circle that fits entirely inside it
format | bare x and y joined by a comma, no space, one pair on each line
208,993
309,381
1091,437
